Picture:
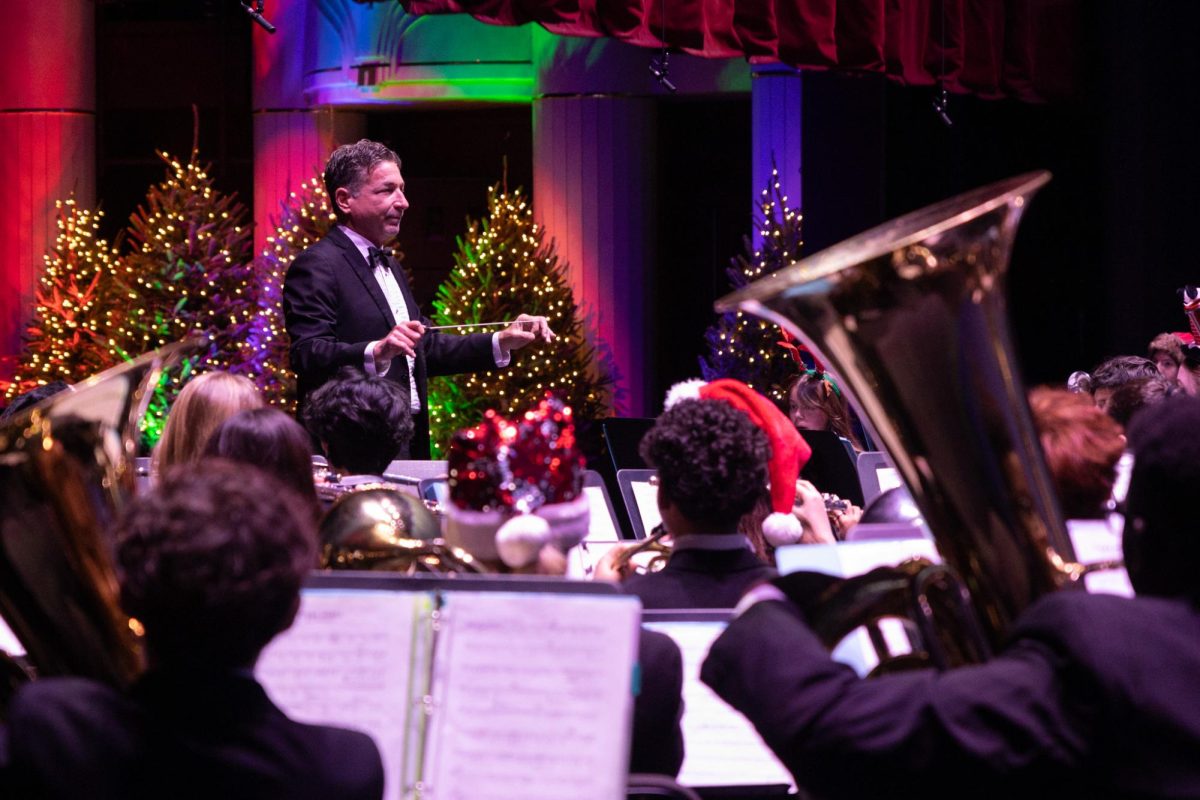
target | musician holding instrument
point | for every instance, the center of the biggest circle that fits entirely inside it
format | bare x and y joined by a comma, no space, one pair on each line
347,302
1094,695
211,564
717,448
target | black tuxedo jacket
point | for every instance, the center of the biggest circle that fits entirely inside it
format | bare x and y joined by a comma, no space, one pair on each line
657,742
701,579
333,307
179,736
1095,697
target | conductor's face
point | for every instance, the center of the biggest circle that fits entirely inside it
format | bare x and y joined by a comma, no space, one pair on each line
376,209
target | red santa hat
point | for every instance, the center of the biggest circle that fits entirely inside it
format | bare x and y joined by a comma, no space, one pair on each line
516,486
789,451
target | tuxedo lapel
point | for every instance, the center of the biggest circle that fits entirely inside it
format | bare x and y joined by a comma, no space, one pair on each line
362,270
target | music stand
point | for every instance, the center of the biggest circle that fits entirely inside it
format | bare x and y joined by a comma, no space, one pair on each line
872,466
643,516
831,468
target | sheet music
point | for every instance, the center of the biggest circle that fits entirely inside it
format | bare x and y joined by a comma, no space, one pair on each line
348,660
721,748
600,522
532,697
645,494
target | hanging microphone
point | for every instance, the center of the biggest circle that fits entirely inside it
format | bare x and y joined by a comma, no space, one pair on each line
255,12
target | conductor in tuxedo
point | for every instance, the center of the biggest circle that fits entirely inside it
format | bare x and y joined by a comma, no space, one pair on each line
347,302
211,563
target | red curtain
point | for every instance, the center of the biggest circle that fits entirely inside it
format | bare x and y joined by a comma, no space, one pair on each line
1024,49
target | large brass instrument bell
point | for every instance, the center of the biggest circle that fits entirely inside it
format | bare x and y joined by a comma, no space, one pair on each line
912,317
377,526
66,471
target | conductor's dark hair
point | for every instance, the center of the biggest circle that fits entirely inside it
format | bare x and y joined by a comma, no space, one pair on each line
270,440
711,461
349,166
1160,541
363,421
211,562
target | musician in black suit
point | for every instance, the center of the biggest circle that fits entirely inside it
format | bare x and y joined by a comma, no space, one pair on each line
347,302
1095,696
211,564
712,467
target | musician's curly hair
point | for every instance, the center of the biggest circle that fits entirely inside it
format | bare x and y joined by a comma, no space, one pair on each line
711,461
349,166
211,562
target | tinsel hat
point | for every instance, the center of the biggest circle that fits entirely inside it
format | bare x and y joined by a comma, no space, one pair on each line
789,451
517,486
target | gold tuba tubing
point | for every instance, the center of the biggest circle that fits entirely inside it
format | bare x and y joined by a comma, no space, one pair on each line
911,315
65,473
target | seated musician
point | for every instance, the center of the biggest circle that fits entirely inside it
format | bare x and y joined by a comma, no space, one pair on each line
363,423
716,455
1095,695
211,564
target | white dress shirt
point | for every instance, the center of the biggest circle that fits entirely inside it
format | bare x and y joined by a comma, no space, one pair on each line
395,299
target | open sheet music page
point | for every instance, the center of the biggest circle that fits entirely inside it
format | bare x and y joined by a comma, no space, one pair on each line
721,747
532,697
348,660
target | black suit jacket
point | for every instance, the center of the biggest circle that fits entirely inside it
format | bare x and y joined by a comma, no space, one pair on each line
333,307
701,579
1096,696
657,743
179,736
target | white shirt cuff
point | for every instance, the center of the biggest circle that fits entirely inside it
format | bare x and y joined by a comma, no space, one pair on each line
369,362
759,594
501,356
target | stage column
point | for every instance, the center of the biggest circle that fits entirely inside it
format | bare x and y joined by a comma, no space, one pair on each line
291,140
47,143
775,101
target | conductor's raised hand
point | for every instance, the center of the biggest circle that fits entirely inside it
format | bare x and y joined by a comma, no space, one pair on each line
524,330
402,339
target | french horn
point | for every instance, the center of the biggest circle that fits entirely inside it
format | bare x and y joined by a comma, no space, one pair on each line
66,471
912,317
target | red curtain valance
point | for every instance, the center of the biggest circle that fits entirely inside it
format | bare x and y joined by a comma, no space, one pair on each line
1024,49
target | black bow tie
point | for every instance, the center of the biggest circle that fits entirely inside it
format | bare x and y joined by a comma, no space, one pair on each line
377,255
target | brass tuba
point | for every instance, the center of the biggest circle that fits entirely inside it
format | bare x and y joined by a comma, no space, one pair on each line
66,470
911,315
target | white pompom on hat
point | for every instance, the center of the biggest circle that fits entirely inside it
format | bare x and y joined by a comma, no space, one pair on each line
789,451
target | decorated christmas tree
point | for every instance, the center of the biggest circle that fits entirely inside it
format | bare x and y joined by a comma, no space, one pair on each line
740,345
305,217
79,299
504,266
190,270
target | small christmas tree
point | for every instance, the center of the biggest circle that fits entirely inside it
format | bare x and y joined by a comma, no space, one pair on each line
742,346
305,217
79,299
505,267
191,270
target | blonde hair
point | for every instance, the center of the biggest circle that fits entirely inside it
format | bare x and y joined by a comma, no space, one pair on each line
204,403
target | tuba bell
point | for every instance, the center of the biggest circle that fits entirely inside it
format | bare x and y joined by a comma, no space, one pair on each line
66,471
912,317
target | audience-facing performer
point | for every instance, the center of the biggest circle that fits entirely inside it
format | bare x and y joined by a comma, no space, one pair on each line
347,302
1128,400
204,403
1095,696
713,462
1115,373
271,440
815,403
1082,445
362,422
211,564
1166,351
